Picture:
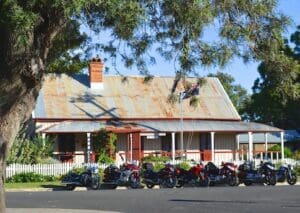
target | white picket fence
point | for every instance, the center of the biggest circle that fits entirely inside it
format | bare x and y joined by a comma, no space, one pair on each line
45,169
63,168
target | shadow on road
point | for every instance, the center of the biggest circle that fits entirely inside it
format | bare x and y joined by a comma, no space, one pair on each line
213,201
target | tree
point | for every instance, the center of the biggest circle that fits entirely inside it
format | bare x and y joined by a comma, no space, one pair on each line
276,94
237,94
35,40
31,151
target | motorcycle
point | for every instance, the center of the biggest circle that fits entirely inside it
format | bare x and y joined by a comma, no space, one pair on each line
126,175
286,172
89,178
164,177
190,176
266,174
224,175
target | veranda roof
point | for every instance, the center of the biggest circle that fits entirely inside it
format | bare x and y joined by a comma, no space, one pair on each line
161,126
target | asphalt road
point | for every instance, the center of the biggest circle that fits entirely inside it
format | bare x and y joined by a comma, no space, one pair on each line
221,199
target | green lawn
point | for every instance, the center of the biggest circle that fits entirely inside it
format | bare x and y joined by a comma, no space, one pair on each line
54,184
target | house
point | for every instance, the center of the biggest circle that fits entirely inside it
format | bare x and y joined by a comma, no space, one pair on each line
74,107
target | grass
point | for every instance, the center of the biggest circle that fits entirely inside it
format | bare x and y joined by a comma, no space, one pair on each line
54,184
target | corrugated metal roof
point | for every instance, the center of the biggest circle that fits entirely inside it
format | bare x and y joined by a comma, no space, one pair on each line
68,97
206,126
289,135
260,138
78,126
164,126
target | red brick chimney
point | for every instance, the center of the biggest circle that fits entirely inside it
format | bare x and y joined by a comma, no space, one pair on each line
96,73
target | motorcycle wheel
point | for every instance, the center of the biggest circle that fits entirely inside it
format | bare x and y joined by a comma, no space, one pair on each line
171,182
134,181
70,187
94,184
271,180
179,184
232,181
292,180
113,186
204,182
149,185
247,183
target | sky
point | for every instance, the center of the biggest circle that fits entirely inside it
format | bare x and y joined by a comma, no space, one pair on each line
244,74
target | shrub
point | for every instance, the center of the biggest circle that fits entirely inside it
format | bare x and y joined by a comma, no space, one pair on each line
31,151
296,155
184,165
158,166
287,151
154,159
297,170
104,158
30,177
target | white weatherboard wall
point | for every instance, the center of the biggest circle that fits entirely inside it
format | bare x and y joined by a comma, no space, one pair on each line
224,147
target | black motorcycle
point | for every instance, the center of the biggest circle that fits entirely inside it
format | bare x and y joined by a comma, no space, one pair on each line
286,172
89,178
266,174
164,177
224,175
126,175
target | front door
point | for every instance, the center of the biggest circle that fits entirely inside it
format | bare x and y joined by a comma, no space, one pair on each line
205,147
66,147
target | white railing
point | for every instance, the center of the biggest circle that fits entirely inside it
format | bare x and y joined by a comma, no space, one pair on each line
45,169
63,168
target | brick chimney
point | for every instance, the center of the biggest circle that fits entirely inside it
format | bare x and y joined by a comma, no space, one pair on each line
96,73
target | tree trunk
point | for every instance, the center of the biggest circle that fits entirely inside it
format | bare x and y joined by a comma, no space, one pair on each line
11,122
2,198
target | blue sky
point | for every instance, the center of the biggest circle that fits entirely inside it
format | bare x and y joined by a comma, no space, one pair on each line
244,74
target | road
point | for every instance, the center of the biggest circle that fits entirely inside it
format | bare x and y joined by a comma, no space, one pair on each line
213,199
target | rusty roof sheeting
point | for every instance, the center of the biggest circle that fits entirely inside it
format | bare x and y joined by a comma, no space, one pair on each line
65,96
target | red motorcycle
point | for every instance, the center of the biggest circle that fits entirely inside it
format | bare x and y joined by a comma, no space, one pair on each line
193,176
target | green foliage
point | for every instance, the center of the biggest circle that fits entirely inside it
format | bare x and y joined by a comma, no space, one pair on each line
287,151
184,165
173,98
297,170
105,158
104,143
296,155
33,151
77,170
237,94
194,101
155,159
276,94
158,166
30,177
